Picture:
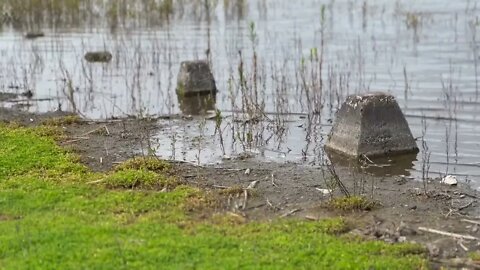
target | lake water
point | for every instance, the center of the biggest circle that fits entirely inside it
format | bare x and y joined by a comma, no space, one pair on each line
299,60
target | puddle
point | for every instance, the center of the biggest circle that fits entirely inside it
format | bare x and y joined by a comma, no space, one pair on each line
289,63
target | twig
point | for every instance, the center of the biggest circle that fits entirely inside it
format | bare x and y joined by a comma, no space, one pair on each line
227,169
462,246
255,206
311,218
95,182
271,205
465,206
75,140
457,263
92,131
273,181
367,159
245,198
471,221
108,121
454,235
188,163
291,212
106,129
221,187
450,211
80,138
471,195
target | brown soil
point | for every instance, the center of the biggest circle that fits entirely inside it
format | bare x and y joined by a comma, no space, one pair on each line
292,190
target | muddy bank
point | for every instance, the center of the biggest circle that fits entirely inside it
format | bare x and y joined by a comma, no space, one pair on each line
258,191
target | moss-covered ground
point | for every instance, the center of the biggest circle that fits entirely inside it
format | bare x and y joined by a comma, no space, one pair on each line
57,214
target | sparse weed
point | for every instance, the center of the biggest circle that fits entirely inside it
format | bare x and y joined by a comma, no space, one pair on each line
352,203
148,163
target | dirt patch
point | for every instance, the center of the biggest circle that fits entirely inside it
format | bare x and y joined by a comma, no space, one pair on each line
404,209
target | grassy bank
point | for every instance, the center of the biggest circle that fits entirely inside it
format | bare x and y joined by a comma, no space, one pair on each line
57,214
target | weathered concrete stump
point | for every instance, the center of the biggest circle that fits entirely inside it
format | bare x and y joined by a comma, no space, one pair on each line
195,78
372,125
100,56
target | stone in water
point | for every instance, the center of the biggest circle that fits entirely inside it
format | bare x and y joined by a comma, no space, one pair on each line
100,56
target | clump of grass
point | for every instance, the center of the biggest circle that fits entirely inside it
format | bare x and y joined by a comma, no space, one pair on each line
139,178
201,201
50,131
63,121
475,256
234,190
352,203
149,163
228,219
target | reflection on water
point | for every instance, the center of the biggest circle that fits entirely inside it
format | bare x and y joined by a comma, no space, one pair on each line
282,69
387,166
198,104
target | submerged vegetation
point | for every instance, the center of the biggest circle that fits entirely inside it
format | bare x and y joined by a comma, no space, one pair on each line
32,14
51,216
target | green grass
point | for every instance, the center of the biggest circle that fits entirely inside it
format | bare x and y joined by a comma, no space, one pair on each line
52,218
143,179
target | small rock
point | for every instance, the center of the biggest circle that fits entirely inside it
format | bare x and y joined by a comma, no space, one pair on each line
99,56
404,230
444,247
253,184
27,94
402,239
248,171
449,180
33,35
324,191
433,250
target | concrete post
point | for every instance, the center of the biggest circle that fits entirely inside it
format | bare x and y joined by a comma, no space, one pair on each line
371,125
195,78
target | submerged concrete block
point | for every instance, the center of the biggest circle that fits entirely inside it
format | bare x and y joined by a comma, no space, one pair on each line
194,78
371,125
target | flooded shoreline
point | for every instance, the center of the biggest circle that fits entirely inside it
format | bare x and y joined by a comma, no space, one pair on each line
282,70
